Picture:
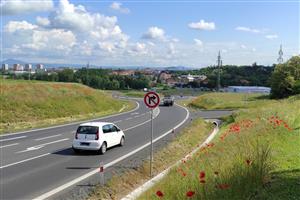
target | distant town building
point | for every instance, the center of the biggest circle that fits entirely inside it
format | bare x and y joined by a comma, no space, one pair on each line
28,67
248,89
124,72
164,76
4,67
18,67
39,66
192,78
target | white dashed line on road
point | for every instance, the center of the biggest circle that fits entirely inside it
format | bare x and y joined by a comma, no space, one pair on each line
43,138
9,145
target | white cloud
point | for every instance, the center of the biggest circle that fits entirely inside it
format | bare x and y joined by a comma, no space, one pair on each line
155,33
42,21
16,7
243,46
118,7
198,42
171,49
271,37
202,25
14,26
247,29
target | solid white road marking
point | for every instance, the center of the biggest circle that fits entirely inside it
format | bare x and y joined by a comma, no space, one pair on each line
143,122
117,121
9,145
41,145
15,138
43,138
129,118
77,180
135,113
1,167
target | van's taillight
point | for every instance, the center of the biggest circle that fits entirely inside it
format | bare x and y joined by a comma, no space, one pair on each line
97,136
76,135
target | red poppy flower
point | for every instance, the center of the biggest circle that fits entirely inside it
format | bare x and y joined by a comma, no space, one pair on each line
223,186
183,174
249,162
159,193
202,175
190,193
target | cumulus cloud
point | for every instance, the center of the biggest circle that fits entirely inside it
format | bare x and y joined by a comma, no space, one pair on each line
202,25
118,7
154,33
14,26
16,7
28,36
198,42
243,46
271,37
247,29
42,21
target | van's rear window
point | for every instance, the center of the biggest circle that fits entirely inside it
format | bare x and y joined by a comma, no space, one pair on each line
87,129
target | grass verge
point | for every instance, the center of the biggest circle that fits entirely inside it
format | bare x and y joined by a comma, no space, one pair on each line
256,156
31,104
187,140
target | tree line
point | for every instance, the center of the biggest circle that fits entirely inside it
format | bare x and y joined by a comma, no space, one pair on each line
96,78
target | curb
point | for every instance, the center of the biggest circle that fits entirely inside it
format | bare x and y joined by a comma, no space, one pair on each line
141,189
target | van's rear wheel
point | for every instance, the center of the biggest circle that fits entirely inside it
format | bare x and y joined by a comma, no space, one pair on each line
122,142
103,148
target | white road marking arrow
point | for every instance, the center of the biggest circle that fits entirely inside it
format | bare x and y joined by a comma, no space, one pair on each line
41,146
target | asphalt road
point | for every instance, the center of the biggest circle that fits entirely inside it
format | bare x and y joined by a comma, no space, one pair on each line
40,162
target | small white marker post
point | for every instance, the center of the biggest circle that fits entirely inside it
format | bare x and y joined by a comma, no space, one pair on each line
101,171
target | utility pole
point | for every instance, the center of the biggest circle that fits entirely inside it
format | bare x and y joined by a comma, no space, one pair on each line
280,57
219,61
87,74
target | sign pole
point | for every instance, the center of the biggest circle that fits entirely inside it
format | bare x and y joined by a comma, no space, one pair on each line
151,99
151,151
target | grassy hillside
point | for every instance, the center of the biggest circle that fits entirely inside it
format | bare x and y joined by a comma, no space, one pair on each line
229,101
255,156
27,104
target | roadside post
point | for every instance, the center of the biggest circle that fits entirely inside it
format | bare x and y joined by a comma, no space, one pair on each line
101,171
151,99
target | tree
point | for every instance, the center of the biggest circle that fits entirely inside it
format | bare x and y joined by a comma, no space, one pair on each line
285,78
66,75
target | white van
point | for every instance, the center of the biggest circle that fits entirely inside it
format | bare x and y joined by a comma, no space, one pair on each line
97,136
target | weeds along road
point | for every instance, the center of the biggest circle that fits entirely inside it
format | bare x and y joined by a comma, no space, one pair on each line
38,161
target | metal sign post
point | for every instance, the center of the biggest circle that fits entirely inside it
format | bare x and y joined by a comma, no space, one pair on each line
151,100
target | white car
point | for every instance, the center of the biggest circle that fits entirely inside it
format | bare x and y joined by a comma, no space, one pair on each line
97,136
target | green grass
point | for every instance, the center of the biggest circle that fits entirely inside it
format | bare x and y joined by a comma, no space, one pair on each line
266,133
229,101
134,93
28,104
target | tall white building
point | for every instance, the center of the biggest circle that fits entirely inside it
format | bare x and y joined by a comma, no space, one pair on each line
28,67
39,66
4,67
18,67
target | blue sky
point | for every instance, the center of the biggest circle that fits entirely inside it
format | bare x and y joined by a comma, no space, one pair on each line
148,33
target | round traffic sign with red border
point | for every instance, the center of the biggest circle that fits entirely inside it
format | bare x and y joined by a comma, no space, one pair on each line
151,99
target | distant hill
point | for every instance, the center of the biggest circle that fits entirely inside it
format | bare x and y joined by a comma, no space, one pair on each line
13,61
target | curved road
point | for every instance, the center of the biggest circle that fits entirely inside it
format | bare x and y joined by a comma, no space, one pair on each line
40,163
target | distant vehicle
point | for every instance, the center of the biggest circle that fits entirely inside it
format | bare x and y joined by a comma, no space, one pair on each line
97,136
168,100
